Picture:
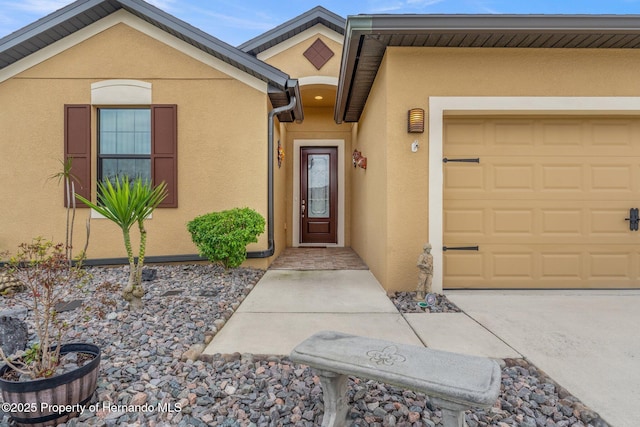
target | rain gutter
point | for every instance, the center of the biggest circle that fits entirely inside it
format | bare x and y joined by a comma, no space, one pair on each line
293,104
270,213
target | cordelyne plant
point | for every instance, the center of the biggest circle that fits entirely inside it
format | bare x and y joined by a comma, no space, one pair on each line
128,203
224,236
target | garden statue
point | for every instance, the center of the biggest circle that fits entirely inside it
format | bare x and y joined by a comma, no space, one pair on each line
425,274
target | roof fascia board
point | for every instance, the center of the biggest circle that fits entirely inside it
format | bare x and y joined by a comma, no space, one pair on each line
299,38
398,24
360,25
262,70
47,22
271,74
124,17
319,13
357,27
294,90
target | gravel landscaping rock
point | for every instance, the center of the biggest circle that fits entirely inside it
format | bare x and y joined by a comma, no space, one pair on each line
145,380
405,302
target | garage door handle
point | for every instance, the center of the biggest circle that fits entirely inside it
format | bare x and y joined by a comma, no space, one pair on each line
461,248
476,160
633,219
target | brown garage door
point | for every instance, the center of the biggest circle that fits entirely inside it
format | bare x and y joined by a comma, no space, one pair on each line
545,204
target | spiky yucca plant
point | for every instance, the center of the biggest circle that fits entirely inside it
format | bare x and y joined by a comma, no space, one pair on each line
127,203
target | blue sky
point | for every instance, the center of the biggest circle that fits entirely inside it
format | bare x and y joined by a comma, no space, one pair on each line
236,21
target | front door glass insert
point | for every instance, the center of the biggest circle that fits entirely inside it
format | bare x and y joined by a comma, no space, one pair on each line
318,185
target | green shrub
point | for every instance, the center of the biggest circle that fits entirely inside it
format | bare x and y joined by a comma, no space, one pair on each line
224,236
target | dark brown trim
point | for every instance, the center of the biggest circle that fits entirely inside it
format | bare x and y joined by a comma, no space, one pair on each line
77,147
164,151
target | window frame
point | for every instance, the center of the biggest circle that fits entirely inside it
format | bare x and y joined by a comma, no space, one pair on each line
100,157
78,148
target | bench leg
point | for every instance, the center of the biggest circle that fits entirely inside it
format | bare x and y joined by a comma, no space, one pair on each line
334,390
453,418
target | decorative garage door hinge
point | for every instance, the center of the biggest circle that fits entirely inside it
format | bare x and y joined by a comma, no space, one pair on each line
476,160
633,219
460,248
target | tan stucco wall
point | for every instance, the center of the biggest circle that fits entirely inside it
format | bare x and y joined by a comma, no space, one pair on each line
369,220
222,146
292,61
407,78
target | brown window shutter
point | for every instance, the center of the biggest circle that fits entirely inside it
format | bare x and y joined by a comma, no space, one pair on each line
164,150
77,147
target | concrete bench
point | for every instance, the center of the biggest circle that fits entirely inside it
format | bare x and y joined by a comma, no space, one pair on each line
454,382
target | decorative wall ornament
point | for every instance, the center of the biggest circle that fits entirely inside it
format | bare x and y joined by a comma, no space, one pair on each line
359,159
280,154
318,53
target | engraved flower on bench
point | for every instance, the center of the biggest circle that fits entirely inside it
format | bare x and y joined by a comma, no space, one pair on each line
388,356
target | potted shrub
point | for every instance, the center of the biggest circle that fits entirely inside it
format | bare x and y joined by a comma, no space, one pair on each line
48,383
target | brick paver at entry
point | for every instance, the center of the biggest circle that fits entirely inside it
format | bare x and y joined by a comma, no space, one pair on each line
318,259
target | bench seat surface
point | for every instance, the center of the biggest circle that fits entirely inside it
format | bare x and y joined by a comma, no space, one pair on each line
470,380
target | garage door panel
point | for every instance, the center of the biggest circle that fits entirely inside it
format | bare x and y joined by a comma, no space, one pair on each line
610,222
465,222
514,132
535,221
558,134
611,265
564,177
613,133
511,265
542,266
512,177
612,178
551,136
561,266
508,222
584,178
546,204
462,178
561,223
461,266
464,134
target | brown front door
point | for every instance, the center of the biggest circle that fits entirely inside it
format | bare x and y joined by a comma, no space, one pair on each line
318,195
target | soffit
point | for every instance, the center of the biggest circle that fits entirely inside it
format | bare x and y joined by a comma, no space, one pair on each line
367,38
292,28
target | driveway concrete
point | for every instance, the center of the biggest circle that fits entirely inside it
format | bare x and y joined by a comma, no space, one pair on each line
458,333
587,341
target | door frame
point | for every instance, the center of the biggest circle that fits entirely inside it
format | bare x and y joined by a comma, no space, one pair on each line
295,211
440,106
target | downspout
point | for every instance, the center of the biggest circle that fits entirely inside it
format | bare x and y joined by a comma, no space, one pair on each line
270,212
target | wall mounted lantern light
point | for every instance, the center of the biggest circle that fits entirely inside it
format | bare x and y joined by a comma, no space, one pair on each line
415,122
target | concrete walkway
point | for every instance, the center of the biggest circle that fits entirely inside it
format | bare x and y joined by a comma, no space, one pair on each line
586,341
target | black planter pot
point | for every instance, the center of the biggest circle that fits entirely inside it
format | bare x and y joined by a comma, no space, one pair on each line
71,388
